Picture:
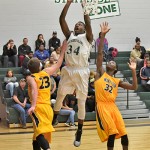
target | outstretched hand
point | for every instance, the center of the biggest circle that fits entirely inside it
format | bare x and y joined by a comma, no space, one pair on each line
104,27
132,64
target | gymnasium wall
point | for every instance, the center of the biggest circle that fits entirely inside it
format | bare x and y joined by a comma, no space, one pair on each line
28,18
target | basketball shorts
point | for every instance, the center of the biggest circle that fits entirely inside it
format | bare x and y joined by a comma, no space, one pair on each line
74,79
42,121
109,121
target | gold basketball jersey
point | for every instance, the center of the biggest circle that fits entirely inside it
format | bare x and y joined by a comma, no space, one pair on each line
43,82
106,88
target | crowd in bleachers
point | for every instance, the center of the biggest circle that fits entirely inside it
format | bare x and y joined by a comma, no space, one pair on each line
48,57
142,58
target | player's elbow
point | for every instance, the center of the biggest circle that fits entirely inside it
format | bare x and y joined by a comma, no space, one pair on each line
134,87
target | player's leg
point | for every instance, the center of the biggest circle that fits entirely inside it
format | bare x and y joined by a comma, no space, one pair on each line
43,142
36,145
124,142
81,117
110,142
57,107
65,87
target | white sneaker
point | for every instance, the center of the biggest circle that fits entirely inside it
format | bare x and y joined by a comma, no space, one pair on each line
67,124
77,141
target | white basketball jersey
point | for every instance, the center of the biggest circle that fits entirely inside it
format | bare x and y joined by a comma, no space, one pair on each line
78,51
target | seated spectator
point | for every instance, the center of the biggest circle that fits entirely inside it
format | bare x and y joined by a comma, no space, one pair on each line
9,54
136,54
40,41
20,102
67,111
42,54
10,81
105,43
54,42
72,102
145,75
56,54
90,101
22,50
143,62
25,70
55,75
143,50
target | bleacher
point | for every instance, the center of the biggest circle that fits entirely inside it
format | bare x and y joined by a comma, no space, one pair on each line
138,105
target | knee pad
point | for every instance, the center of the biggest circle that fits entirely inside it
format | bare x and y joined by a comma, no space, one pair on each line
81,109
111,140
43,142
124,140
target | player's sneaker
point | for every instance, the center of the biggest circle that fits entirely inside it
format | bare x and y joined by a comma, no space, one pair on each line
77,141
55,122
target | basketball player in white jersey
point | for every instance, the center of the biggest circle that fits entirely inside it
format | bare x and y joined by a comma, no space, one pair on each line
75,75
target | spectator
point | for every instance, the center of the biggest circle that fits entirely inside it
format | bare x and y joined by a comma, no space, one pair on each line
10,82
20,100
53,88
9,54
136,54
90,102
145,75
42,54
143,62
72,101
65,110
142,48
25,70
56,54
54,42
22,50
105,43
40,41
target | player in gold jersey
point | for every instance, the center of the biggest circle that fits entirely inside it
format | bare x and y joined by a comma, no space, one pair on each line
39,92
110,124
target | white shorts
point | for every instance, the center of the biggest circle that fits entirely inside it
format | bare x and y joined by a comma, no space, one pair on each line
72,79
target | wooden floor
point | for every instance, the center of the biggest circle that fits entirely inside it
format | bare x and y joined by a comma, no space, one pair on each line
62,139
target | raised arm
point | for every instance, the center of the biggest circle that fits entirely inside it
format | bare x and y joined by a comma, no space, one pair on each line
104,30
54,68
62,20
126,85
88,28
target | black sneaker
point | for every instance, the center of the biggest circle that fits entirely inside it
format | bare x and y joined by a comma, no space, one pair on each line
55,122
77,141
